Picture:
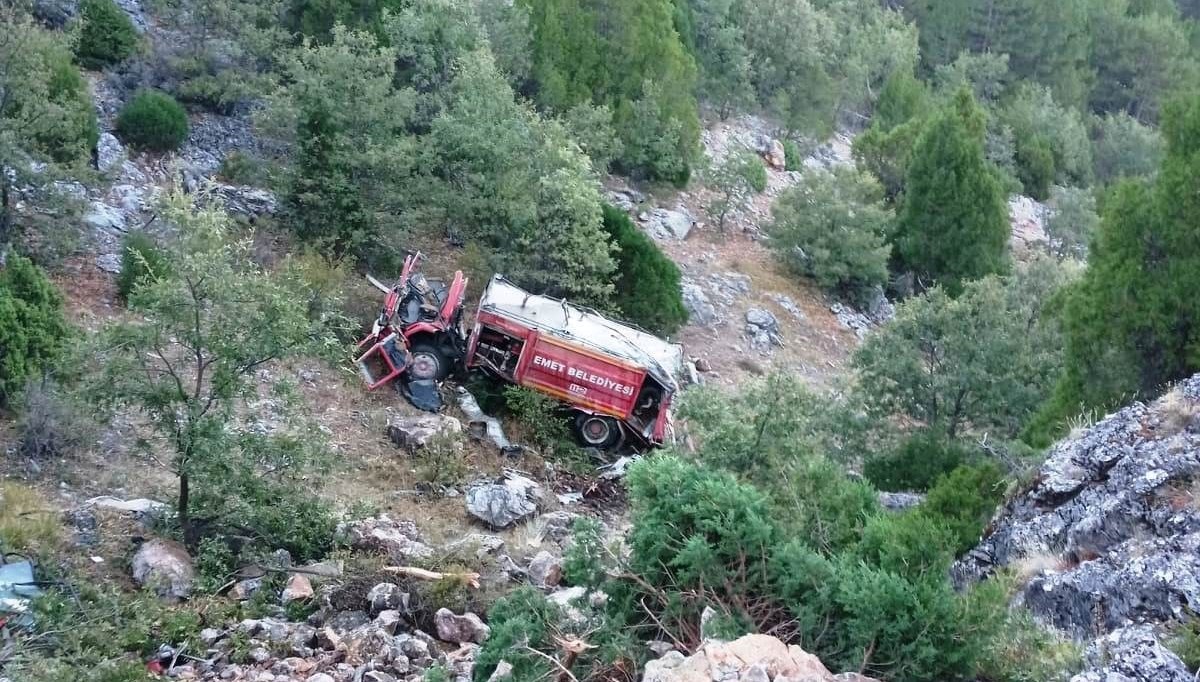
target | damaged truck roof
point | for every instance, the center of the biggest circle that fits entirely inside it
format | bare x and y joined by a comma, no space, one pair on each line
582,325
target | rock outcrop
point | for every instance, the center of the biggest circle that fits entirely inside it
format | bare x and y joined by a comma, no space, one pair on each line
165,567
1108,534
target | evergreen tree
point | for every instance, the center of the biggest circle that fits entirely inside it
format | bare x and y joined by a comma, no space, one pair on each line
322,203
1133,322
954,223
647,281
33,331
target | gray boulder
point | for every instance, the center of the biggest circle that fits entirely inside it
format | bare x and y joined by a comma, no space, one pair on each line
413,432
701,311
667,225
400,540
459,629
1132,654
110,153
545,570
763,329
165,567
500,505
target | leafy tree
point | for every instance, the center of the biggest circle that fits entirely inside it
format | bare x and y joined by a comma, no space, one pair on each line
987,75
592,127
33,332
47,123
106,36
902,99
917,463
318,19
1124,148
1035,166
430,38
142,260
1032,114
985,360
953,226
153,120
886,154
834,228
516,183
647,282
348,180
964,500
508,32
718,43
732,183
1130,322
624,54
1072,222
190,362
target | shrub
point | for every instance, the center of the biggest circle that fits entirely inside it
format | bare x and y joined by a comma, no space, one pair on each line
910,544
1185,643
756,175
215,564
584,561
541,418
142,259
918,462
107,35
792,158
50,425
648,289
240,168
74,136
523,618
277,514
153,121
32,328
964,500
1035,167
834,227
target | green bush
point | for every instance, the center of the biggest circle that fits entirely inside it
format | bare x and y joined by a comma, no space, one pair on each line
1035,167
215,564
107,35
916,464
32,328
278,515
243,169
584,561
153,121
541,419
964,500
756,176
523,618
834,228
142,259
75,135
648,289
792,158
910,544
1185,642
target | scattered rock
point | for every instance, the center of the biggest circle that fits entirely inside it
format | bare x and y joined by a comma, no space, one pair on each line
479,544
667,225
110,153
139,507
245,589
102,217
165,567
852,319
344,622
700,309
545,570
400,540
1028,219
775,156
417,432
251,202
500,505
387,596
458,629
503,672
763,329
897,502
298,588
784,301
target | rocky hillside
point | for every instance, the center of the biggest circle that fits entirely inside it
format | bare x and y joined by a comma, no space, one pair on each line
1107,537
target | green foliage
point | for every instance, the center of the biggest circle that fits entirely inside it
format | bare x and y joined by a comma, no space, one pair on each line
72,137
239,168
122,631
33,332
323,202
964,500
522,618
986,75
920,460
592,127
542,419
626,55
142,260
51,424
153,121
1013,646
106,36
793,159
886,154
902,99
756,176
647,285
188,366
1128,321
1052,141
584,561
985,360
215,565
834,228
732,181
1072,222
1122,147
1185,643
910,544
319,19
953,226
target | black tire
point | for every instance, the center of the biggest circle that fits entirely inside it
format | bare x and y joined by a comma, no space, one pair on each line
596,431
429,363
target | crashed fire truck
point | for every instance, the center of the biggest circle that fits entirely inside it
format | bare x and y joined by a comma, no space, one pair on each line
617,381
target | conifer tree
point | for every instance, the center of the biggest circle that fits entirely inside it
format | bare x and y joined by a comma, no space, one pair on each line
954,225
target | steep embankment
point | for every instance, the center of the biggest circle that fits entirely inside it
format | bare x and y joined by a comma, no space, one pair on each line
1107,537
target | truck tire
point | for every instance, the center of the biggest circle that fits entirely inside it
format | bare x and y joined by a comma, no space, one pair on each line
428,362
595,431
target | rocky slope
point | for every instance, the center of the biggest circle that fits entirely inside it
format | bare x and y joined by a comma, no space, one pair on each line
1108,537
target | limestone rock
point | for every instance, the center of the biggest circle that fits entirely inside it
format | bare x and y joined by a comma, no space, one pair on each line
752,658
459,629
387,596
545,570
416,432
1132,654
701,311
165,567
400,540
298,588
500,505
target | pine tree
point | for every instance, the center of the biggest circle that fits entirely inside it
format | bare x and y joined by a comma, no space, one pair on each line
323,203
647,282
1133,321
954,225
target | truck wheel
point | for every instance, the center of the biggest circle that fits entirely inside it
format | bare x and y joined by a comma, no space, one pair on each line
597,432
428,363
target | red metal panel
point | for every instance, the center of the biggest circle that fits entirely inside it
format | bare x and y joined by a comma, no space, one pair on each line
580,377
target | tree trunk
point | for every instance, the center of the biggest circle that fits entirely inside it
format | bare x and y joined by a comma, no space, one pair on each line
5,218
184,493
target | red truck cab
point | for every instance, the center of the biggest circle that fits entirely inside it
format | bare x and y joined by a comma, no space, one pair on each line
619,380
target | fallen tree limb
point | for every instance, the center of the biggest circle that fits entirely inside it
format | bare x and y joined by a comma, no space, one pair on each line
470,578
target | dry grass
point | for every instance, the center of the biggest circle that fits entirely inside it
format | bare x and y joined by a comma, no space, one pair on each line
28,523
1029,567
1177,412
